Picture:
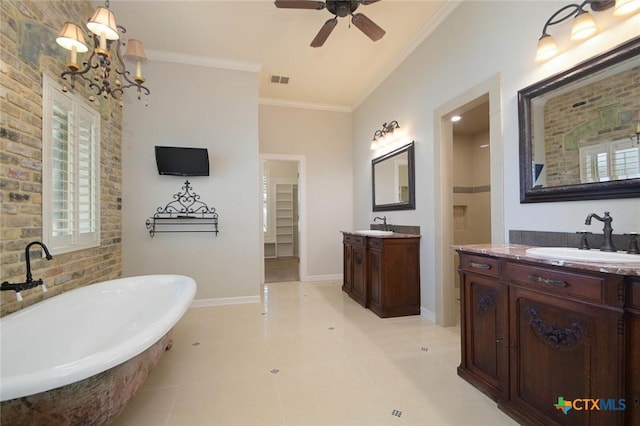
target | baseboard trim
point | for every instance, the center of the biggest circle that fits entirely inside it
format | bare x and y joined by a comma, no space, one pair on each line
424,312
333,277
205,303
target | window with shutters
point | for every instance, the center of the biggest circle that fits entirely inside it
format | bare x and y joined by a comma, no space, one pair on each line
70,171
610,161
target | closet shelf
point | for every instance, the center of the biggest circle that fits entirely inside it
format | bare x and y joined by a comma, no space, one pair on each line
186,213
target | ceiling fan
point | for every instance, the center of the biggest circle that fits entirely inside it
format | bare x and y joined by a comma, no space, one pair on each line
340,8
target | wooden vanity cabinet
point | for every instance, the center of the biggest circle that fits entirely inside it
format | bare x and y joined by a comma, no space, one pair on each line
632,377
532,333
383,273
393,276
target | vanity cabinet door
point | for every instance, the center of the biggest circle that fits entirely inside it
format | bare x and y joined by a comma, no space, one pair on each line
359,283
354,268
484,358
563,349
633,355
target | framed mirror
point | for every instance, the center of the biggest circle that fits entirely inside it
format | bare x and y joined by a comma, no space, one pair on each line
579,131
393,180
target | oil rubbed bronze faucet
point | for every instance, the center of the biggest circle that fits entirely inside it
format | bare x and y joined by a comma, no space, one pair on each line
608,230
29,281
384,222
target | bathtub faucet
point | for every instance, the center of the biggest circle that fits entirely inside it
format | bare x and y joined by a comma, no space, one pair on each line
29,282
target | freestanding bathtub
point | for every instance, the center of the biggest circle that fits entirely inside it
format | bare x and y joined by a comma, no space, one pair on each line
79,357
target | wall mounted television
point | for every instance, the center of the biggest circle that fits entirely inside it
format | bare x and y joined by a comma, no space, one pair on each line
182,161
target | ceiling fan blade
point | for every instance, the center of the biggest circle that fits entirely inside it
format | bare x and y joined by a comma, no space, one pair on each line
324,32
299,4
366,2
367,26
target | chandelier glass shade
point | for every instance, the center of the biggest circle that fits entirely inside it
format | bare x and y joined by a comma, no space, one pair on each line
105,69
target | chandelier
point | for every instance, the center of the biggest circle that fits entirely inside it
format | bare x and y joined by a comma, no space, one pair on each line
105,69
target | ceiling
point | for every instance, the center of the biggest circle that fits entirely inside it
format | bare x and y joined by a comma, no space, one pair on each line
254,35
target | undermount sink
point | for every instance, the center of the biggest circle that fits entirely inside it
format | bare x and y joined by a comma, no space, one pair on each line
592,256
373,232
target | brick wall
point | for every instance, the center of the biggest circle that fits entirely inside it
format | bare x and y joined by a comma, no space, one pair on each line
27,33
596,113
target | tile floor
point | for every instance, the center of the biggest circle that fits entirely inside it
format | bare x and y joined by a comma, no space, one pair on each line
308,355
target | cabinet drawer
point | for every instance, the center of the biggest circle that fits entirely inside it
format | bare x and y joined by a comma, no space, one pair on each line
581,286
356,240
375,243
480,264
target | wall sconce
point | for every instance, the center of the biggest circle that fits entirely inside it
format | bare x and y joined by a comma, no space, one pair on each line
389,134
584,25
104,57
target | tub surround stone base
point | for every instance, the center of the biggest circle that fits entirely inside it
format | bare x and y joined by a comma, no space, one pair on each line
96,400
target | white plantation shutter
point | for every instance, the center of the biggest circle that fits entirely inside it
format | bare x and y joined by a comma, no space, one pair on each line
625,160
610,161
71,190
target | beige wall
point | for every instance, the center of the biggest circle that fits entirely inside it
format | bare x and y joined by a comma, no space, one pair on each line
28,49
324,139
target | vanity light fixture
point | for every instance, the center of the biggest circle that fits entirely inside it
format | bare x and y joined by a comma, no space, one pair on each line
584,26
105,69
385,136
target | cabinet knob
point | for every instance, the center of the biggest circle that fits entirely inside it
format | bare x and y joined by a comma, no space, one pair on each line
499,340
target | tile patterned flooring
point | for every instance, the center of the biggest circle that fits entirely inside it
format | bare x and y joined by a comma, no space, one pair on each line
308,355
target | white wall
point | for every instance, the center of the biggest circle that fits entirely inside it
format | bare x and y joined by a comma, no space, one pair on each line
324,139
476,42
201,107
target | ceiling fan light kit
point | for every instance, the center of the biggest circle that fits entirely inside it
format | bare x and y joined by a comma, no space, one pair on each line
339,8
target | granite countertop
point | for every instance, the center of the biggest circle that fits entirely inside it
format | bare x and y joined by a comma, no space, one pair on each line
394,235
518,252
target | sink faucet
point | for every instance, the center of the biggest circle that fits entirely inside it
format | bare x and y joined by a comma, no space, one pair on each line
385,227
29,281
608,230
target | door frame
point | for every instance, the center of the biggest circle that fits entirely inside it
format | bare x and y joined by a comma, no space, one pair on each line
443,182
302,211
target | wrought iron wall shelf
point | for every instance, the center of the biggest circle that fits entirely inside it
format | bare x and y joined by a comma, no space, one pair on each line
186,213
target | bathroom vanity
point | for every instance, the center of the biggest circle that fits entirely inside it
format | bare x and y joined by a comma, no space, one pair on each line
382,272
536,332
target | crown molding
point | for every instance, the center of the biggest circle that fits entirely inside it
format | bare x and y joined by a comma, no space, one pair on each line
303,105
204,61
422,35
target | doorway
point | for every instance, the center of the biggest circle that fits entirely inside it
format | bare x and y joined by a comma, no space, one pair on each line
450,214
281,219
471,179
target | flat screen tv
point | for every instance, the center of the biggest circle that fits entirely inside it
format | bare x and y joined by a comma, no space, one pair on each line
182,161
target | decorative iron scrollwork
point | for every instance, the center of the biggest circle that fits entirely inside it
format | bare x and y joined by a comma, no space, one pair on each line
556,337
486,300
186,213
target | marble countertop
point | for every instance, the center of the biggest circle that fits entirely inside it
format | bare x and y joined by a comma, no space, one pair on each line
519,252
394,235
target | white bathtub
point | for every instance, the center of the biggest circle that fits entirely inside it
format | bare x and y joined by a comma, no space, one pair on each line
86,331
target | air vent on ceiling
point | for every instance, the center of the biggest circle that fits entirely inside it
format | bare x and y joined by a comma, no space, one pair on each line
279,79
